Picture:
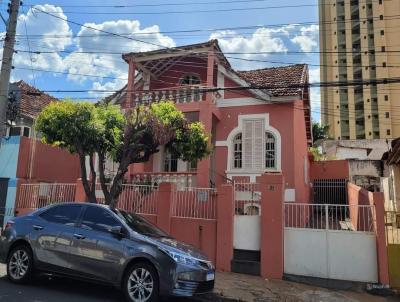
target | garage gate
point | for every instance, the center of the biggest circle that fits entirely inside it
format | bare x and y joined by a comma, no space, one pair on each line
330,241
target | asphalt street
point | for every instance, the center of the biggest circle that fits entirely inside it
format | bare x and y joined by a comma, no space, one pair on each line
60,290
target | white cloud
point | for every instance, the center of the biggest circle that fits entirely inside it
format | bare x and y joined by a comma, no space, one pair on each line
38,26
308,38
111,65
107,86
262,40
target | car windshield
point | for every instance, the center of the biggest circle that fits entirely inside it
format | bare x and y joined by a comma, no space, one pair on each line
141,225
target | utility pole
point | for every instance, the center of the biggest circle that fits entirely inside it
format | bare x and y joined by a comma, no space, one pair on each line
6,63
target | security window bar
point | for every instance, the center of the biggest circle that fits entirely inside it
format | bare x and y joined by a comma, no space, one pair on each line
270,151
237,151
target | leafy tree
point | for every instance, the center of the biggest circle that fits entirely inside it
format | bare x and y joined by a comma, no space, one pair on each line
320,131
86,130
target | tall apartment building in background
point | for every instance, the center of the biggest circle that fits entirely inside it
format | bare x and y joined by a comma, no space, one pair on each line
360,41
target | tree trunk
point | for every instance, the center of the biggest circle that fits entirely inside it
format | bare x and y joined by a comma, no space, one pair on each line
103,181
93,179
116,187
90,194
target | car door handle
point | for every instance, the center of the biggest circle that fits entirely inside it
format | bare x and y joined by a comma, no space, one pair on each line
79,236
38,227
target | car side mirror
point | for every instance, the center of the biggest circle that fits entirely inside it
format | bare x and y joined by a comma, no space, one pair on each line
117,230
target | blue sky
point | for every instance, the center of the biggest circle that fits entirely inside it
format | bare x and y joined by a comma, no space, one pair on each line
61,42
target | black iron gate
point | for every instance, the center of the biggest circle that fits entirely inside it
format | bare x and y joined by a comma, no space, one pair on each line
3,199
330,191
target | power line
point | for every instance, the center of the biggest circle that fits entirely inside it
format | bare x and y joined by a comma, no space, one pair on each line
384,81
99,30
293,24
160,4
72,73
191,64
217,10
137,40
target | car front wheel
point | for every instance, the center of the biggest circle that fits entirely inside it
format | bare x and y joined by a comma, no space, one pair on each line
20,264
141,283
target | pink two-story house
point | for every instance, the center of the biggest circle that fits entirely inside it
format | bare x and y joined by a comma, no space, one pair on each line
259,120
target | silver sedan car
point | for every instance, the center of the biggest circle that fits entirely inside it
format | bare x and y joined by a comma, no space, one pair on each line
95,243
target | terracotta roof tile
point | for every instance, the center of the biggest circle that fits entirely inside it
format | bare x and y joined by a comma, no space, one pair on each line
280,77
32,100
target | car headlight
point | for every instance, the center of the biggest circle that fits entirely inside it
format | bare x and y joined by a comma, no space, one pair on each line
181,258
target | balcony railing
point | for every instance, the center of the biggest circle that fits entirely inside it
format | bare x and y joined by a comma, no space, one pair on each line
181,95
182,179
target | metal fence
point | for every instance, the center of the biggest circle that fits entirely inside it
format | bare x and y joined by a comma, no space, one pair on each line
42,194
330,217
330,191
247,199
198,203
141,199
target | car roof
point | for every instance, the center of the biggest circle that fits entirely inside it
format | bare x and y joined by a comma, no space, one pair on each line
73,203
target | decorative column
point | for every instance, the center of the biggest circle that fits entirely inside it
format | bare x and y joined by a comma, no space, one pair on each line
381,247
225,216
206,117
272,203
131,85
164,208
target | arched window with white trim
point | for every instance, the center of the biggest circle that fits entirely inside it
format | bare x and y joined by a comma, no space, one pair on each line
270,151
237,151
254,146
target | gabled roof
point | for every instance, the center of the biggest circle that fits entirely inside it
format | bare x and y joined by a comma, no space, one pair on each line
191,49
31,101
287,80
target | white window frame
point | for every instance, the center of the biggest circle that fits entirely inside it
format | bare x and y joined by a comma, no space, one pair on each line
265,150
236,142
239,129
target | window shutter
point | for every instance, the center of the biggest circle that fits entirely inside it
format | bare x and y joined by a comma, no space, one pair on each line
248,145
253,142
258,155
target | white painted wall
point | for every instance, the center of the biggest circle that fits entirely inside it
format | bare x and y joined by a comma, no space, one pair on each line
247,233
341,255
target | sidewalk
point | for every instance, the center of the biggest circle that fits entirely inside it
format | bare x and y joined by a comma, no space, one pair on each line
237,287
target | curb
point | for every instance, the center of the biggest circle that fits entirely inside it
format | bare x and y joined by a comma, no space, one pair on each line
215,298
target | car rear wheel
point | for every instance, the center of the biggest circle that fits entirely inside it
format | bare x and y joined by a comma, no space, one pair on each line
20,264
141,283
